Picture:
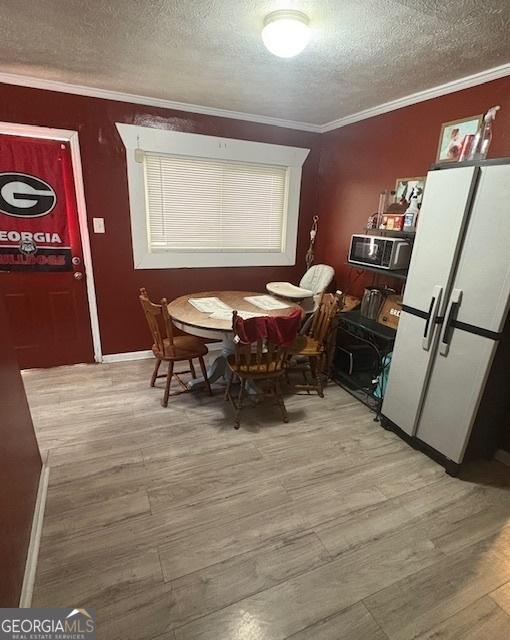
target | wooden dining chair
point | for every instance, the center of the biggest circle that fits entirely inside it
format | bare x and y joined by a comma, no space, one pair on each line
170,348
264,363
313,345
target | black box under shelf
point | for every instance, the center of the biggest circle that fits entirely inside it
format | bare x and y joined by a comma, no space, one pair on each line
354,358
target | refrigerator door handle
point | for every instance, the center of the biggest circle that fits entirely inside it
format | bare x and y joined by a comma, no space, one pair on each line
451,313
430,324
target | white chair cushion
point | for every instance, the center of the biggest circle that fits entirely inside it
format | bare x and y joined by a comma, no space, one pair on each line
318,278
288,290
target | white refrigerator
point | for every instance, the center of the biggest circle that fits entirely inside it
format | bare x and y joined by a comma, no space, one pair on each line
448,388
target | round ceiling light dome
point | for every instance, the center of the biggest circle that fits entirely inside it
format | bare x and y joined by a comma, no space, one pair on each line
286,33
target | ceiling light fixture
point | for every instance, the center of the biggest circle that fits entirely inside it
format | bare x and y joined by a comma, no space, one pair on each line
286,33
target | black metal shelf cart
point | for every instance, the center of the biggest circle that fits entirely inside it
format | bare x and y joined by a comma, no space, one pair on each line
380,340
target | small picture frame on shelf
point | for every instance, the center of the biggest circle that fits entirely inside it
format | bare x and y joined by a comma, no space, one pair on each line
452,137
404,187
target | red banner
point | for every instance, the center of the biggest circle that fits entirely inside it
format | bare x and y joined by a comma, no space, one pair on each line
36,205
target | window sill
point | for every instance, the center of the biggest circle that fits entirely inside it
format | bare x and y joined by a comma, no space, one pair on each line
171,260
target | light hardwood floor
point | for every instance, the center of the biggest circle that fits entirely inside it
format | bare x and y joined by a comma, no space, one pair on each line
176,527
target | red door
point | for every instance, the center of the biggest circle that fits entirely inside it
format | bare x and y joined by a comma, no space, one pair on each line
41,259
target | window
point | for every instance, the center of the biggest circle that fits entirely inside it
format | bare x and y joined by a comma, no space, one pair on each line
201,205
199,201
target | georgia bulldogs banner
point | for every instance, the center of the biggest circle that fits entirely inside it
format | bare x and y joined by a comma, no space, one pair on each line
36,205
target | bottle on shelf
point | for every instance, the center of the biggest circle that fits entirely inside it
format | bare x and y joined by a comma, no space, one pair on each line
381,209
412,211
483,137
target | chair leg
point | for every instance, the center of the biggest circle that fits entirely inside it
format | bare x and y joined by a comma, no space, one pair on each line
320,366
237,421
305,378
155,372
315,365
230,377
286,374
192,369
279,400
204,373
324,368
168,381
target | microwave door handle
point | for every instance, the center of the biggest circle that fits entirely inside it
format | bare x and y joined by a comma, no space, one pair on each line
398,246
430,324
451,313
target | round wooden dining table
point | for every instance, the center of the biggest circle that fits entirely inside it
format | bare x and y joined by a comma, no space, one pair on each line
189,319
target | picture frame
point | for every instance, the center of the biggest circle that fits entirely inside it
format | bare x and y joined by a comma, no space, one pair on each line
452,137
405,186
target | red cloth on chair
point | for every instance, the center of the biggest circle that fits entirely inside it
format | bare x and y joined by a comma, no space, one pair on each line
279,330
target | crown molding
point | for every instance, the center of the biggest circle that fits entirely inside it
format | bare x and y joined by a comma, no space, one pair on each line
162,103
441,90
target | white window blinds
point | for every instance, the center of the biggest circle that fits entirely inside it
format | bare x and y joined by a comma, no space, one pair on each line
200,204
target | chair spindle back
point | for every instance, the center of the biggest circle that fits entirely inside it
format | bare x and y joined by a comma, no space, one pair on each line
323,317
158,319
262,356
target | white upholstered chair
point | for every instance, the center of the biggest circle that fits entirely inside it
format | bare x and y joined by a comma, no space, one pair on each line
315,281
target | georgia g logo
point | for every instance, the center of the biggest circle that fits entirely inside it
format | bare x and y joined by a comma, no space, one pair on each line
25,196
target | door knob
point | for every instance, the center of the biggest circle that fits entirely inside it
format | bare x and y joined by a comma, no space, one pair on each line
78,275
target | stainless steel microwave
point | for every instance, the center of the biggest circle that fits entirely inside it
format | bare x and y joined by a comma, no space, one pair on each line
379,251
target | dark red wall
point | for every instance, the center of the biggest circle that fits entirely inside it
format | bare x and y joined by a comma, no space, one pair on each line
356,163
106,192
20,467
362,159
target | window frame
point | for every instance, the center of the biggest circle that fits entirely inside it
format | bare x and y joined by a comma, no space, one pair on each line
138,138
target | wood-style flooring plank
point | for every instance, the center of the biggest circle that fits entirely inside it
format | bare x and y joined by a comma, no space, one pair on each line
354,623
189,551
446,511
90,482
225,508
411,606
302,601
219,585
353,530
161,463
92,584
111,542
482,620
502,597
82,520
473,528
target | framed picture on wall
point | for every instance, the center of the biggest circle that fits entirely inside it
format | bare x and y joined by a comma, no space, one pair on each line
452,137
404,187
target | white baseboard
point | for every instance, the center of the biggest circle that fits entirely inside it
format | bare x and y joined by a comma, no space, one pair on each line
143,355
35,540
503,456
126,356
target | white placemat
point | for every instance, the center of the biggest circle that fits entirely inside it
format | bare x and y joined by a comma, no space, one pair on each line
220,314
268,303
209,305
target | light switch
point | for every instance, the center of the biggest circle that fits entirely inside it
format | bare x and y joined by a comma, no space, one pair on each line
98,225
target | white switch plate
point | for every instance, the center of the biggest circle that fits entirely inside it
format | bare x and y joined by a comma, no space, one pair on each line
98,225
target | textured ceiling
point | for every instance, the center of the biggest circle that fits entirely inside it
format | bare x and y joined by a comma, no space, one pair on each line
362,53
